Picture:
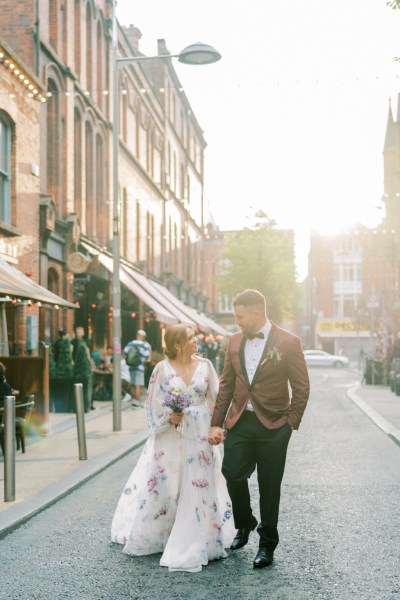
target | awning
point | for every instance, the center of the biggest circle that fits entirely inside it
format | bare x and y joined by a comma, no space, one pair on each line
204,323
168,308
160,293
163,314
15,284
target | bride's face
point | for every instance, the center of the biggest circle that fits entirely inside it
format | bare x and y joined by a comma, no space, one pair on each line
189,346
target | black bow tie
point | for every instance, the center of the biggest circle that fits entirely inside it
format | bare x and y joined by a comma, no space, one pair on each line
251,336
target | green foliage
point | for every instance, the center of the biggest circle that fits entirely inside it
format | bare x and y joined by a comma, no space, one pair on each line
82,368
395,4
262,258
52,363
64,359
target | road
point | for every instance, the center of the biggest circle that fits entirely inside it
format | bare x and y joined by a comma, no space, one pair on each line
339,526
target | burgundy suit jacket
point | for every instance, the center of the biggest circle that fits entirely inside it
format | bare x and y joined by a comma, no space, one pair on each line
269,390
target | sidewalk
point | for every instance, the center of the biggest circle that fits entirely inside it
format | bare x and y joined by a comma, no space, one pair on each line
51,468
381,405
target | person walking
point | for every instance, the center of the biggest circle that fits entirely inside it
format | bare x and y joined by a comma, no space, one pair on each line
136,354
175,500
259,415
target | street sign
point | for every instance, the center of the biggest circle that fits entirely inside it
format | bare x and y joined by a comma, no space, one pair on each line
373,301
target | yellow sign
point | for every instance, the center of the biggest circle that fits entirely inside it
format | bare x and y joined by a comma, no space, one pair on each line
337,326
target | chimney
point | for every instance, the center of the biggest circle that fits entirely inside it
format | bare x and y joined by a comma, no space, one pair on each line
133,34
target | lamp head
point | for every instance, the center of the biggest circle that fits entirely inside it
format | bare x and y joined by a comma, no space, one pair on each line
199,54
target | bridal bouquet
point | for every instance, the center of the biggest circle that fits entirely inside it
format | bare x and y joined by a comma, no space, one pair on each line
176,399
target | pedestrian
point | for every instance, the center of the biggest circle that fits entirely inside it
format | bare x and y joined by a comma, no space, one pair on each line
137,364
84,366
125,381
57,344
211,349
175,500
259,415
5,388
148,366
79,337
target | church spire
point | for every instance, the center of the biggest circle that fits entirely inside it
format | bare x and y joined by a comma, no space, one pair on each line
390,137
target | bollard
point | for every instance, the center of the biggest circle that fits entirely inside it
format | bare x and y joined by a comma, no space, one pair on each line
9,449
80,420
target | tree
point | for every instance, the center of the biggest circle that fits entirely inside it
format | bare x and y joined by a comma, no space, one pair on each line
52,364
395,4
262,258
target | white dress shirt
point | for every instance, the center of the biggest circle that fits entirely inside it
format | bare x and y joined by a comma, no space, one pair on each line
253,351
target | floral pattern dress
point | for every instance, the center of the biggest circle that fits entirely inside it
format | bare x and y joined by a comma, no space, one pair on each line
175,500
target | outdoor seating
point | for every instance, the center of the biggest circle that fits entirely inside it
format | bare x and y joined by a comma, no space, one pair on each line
23,410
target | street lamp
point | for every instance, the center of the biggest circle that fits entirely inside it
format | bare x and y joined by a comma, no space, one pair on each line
195,54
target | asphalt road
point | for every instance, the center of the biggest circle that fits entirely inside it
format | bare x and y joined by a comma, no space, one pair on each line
339,526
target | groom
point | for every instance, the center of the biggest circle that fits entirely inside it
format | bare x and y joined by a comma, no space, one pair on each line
259,415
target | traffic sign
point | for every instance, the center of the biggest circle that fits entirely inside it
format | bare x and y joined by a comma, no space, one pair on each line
373,301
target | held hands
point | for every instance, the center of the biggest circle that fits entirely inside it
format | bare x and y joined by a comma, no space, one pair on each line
217,436
175,418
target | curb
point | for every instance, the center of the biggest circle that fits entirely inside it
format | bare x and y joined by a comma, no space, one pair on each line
15,516
380,421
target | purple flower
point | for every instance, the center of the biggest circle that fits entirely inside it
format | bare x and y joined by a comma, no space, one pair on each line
176,399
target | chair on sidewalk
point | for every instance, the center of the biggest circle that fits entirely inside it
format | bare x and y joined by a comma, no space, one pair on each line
23,412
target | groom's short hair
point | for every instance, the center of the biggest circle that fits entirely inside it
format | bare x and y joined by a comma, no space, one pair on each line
250,298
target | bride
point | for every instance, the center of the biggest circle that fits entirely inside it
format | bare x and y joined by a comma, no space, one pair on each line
176,501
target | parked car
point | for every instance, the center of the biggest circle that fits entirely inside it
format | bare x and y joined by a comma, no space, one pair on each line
316,358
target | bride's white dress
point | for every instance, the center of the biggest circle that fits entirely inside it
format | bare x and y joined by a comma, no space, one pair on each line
175,500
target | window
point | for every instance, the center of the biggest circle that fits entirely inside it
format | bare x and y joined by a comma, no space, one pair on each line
6,140
89,49
77,45
101,208
89,192
53,23
54,144
78,163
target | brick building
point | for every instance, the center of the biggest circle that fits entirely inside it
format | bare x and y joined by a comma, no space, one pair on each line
63,203
346,290
353,291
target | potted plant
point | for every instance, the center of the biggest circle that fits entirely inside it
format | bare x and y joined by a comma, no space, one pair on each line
61,378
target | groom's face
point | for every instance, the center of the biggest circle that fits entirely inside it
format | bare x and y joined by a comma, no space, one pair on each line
247,317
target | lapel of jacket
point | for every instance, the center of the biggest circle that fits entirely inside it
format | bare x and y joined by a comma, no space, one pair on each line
242,359
272,337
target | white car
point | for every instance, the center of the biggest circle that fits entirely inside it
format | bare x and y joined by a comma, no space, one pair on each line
316,358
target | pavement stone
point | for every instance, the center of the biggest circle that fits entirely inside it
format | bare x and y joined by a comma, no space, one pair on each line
51,468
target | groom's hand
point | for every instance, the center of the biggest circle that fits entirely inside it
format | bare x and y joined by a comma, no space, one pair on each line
217,435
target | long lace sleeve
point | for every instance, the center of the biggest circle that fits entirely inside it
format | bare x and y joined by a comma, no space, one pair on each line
213,384
157,414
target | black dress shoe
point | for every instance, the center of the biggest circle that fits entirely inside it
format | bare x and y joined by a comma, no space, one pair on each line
263,558
242,535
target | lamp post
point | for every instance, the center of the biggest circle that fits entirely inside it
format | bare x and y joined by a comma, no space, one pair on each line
195,54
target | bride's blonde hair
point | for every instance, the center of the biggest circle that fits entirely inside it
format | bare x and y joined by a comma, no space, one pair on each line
175,334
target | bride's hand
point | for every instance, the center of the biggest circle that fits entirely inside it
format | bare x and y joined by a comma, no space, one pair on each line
175,418
217,436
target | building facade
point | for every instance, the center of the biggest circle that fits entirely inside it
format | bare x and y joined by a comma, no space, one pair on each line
58,178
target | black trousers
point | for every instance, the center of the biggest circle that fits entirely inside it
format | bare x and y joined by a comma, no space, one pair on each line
249,444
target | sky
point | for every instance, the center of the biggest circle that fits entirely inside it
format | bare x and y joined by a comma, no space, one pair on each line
294,114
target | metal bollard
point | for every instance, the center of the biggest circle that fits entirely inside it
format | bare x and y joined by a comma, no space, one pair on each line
80,420
9,449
